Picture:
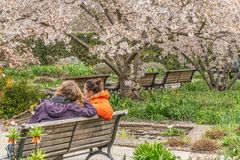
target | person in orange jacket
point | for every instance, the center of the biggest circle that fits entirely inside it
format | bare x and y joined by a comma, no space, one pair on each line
99,98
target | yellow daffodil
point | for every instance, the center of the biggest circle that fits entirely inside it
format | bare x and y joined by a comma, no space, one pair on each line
9,83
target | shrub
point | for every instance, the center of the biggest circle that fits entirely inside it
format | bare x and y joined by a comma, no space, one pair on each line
205,145
178,141
215,134
155,151
48,54
19,98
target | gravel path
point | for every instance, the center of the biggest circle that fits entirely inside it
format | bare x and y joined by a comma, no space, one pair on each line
3,142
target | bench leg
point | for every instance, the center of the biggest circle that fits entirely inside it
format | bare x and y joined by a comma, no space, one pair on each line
92,153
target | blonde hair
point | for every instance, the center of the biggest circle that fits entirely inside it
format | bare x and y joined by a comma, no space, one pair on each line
70,90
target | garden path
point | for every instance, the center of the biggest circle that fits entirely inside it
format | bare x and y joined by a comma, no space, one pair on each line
120,151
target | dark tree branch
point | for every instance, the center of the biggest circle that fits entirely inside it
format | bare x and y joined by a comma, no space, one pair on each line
209,70
198,69
202,26
131,57
119,15
236,76
113,67
134,54
87,10
107,14
79,41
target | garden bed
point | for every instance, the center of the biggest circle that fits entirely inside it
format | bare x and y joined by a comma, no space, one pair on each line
152,131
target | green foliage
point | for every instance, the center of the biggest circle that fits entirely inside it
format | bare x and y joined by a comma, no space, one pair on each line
37,155
48,54
173,132
50,70
155,151
36,132
192,102
153,54
82,53
231,142
18,98
13,133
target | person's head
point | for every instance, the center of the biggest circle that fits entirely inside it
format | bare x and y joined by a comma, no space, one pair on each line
70,90
93,87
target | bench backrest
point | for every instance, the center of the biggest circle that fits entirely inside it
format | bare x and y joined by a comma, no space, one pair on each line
70,135
178,76
82,80
148,79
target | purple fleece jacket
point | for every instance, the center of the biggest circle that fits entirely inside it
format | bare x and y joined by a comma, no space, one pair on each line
50,110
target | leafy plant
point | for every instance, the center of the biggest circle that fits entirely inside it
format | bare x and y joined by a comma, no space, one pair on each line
13,135
173,132
37,155
154,151
19,98
36,133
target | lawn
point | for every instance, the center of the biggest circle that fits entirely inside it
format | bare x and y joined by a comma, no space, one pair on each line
192,102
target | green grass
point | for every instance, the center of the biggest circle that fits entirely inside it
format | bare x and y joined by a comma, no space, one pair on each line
50,70
192,102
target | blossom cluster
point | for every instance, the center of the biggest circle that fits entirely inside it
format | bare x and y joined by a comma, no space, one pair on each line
189,27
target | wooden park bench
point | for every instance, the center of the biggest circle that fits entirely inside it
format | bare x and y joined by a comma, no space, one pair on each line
82,80
147,81
66,138
176,77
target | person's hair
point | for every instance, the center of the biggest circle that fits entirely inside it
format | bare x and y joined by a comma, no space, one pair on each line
95,86
70,90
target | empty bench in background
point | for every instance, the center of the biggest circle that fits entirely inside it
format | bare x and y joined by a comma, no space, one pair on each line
82,80
147,81
176,77
71,136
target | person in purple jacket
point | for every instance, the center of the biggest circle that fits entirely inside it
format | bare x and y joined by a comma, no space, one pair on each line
66,103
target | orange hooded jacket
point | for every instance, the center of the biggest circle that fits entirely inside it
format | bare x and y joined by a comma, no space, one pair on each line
101,103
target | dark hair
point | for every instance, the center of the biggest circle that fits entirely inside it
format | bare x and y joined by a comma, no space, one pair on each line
95,86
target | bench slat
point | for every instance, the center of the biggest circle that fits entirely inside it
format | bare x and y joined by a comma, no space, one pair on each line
98,144
88,141
63,147
93,134
47,143
89,130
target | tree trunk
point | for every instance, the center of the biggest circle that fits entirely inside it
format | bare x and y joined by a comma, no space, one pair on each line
129,79
129,88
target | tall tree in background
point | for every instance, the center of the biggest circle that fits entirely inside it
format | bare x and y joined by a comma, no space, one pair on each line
119,24
204,33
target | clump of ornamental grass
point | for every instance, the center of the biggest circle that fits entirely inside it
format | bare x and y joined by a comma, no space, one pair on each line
205,145
152,151
215,134
178,141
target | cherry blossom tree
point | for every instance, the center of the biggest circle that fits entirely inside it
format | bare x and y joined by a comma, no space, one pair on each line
205,33
119,24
